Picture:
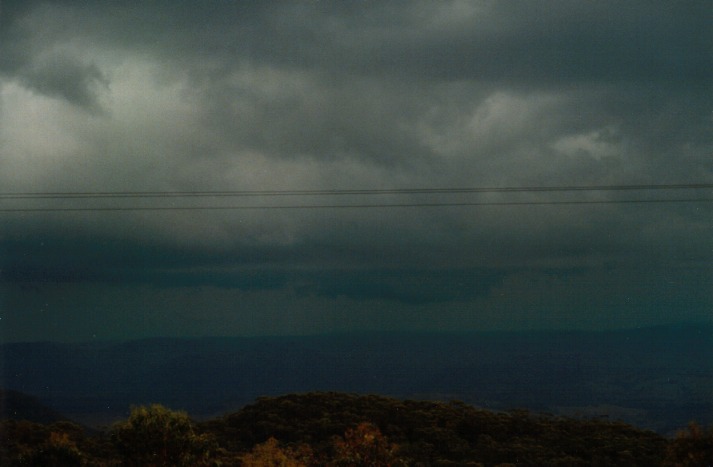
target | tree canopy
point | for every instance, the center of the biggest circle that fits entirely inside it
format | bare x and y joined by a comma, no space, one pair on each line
340,430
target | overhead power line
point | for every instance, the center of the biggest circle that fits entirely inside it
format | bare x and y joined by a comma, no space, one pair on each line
370,192
432,199
357,206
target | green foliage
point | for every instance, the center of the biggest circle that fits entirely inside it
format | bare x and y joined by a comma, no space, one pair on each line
271,454
339,430
365,446
691,448
157,436
19,438
58,451
438,433
59,444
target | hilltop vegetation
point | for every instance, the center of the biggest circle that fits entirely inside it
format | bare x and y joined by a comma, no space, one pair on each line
336,429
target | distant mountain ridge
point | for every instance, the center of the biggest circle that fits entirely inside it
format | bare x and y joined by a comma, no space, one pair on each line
658,378
15,405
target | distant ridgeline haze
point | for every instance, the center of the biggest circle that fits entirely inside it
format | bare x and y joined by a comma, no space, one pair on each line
656,378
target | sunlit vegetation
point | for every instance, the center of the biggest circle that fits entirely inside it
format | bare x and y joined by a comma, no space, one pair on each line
270,453
365,445
158,436
57,444
691,448
343,430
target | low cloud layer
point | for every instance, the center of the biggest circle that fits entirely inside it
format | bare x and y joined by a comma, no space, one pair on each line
173,96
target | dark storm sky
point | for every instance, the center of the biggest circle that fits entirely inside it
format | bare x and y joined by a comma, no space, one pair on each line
133,96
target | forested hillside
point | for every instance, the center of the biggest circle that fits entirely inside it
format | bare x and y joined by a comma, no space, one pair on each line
337,429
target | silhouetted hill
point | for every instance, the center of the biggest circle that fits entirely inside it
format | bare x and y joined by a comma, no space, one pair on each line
15,405
338,429
438,433
657,378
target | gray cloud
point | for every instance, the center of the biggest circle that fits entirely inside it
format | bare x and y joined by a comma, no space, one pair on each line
368,95
33,55
67,78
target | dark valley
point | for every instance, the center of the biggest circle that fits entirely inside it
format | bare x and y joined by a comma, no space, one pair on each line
654,378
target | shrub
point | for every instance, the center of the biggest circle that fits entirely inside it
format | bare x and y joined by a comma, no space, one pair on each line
691,448
157,436
270,454
58,451
365,446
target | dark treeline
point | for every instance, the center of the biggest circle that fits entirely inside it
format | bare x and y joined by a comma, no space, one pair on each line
337,429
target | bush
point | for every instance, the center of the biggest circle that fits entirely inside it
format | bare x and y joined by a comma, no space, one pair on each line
365,446
58,451
270,454
157,436
691,448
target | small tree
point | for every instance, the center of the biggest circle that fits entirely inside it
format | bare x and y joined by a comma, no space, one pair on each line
157,436
58,451
691,448
365,446
270,454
